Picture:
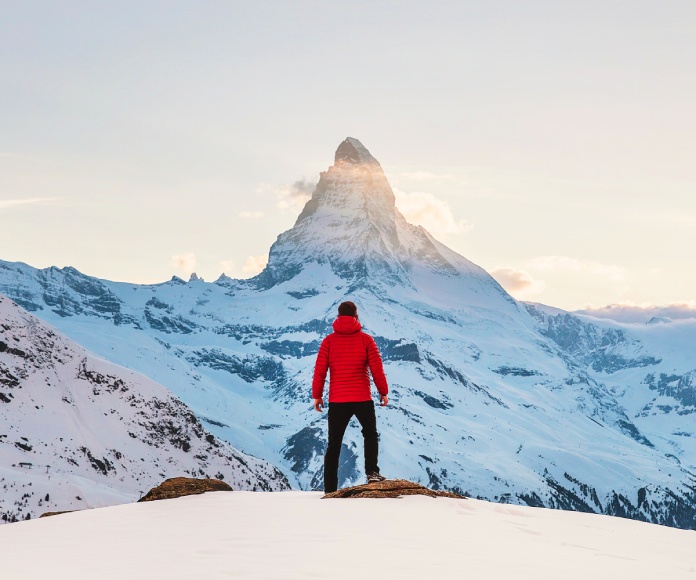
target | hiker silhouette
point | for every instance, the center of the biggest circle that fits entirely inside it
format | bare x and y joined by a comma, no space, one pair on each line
347,354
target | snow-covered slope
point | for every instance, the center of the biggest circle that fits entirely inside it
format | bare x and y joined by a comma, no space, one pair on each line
298,535
484,399
650,368
77,431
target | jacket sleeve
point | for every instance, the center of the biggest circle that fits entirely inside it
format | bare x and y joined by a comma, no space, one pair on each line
374,361
320,369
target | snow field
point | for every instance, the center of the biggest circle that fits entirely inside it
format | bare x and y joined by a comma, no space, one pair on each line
298,535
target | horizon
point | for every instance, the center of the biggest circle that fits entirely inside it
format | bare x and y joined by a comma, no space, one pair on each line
549,146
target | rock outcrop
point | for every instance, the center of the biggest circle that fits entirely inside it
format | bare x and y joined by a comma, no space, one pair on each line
181,486
390,488
49,514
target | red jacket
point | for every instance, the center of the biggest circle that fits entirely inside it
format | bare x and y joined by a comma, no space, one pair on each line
348,353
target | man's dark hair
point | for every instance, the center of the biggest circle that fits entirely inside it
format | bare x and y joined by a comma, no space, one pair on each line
348,309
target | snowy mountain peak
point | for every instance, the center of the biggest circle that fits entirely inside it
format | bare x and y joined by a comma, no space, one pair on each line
354,187
354,152
352,227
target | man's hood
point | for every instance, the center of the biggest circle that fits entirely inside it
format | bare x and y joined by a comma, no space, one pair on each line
346,325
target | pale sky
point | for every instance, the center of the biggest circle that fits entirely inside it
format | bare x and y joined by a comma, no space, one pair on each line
552,143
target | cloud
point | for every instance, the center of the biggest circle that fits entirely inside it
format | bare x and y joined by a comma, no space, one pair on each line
254,264
227,267
251,215
433,214
13,203
294,196
185,262
630,312
519,283
547,263
425,176
665,217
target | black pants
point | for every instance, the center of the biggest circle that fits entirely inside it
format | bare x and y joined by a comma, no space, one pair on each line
340,415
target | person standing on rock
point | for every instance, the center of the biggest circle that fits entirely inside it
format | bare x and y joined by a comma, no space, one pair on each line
347,354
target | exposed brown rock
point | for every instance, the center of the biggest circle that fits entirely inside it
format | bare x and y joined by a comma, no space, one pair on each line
390,488
47,514
181,486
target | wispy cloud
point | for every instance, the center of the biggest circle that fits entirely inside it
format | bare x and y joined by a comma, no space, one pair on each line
185,262
522,285
425,176
631,312
254,264
434,214
567,264
6,204
289,196
251,215
663,216
227,267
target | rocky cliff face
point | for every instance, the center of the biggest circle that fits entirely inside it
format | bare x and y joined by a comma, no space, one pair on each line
486,398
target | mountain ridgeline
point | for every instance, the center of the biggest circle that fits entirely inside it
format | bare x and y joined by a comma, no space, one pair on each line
489,396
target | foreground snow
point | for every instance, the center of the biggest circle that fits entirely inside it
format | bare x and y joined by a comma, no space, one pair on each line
298,535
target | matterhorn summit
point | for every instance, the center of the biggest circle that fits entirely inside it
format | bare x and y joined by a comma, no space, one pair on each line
352,226
351,151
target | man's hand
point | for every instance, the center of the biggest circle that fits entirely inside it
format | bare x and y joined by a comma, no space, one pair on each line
319,405
383,400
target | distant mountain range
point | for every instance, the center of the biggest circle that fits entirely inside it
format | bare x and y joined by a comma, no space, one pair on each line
492,397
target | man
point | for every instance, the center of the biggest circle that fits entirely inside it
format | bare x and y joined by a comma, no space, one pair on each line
347,354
